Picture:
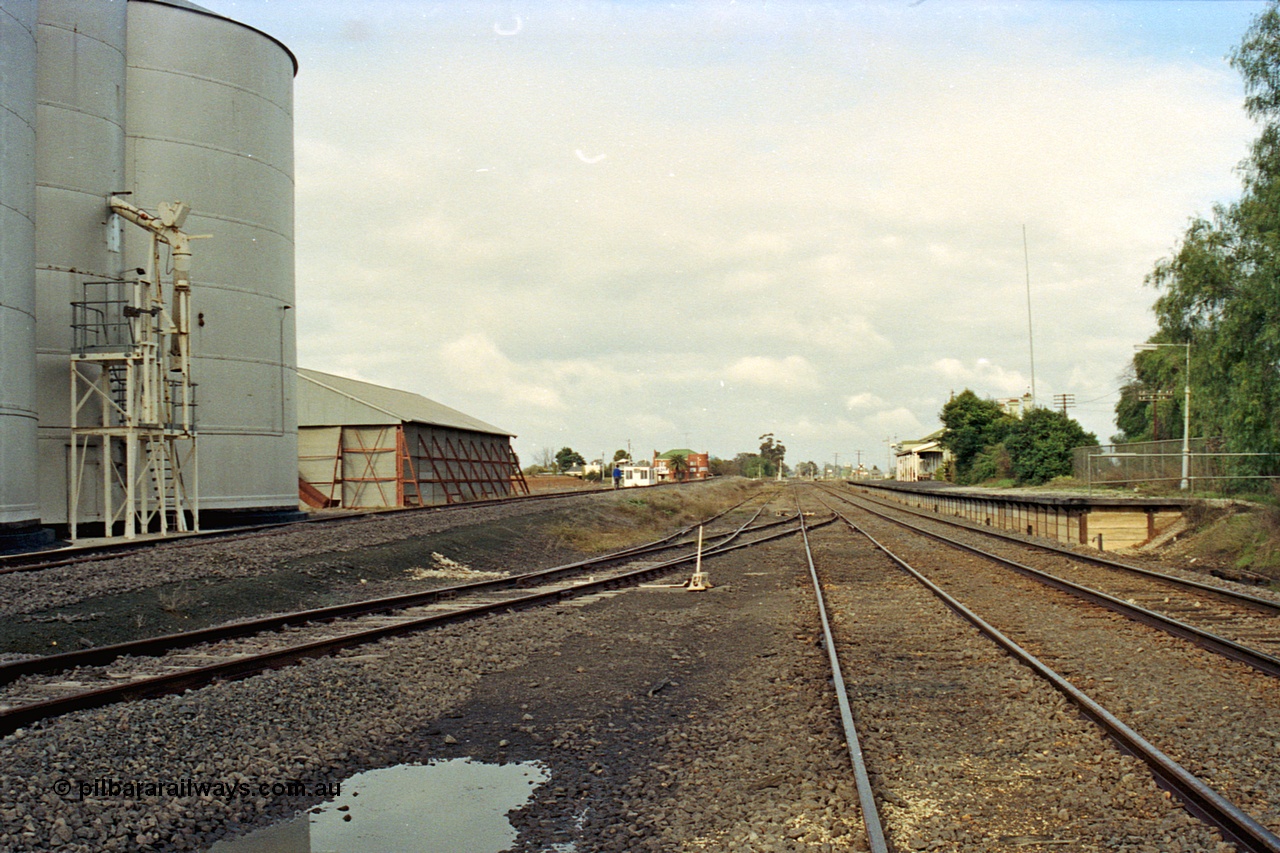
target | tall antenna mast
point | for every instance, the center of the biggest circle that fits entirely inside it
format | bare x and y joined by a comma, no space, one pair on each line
1031,343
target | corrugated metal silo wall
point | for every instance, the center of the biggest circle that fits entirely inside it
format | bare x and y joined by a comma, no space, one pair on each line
19,492
210,122
80,160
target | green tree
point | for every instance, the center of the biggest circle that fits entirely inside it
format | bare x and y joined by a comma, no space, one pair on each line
756,466
971,425
621,456
1156,370
1039,446
772,451
1220,291
991,463
724,467
1132,414
679,466
567,457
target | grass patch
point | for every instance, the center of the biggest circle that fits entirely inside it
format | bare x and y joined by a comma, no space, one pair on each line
642,515
1247,540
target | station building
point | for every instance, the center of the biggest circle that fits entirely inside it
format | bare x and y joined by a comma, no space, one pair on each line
920,459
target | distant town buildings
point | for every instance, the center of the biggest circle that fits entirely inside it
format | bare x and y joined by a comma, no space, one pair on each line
675,466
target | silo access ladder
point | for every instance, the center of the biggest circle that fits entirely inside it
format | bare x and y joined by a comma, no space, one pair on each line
132,397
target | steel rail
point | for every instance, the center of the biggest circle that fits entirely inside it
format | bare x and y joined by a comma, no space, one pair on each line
153,646
1260,603
1259,660
866,797
11,563
32,562
1199,798
243,667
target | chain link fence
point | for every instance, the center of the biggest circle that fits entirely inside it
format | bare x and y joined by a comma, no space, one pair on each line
1161,462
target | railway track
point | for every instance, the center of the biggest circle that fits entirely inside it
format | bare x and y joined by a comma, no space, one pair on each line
1237,625
1191,580
99,550
40,688
876,840
927,666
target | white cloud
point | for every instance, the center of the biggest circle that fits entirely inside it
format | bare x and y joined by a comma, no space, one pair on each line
791,373
864,400
898,423
983,377
796,201
474,360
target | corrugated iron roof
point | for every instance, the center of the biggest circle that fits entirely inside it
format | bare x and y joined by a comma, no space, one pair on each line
328,400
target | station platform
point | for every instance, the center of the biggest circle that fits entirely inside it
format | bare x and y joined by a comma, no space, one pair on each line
1106,522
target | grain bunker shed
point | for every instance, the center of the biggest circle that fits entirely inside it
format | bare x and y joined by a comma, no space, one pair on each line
108,104
365,445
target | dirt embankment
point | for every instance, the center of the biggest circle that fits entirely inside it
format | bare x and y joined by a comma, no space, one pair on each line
1236,540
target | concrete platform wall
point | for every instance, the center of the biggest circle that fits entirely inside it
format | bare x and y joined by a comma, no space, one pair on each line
1121,523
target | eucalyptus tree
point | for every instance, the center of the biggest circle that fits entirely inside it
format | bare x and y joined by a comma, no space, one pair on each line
1220,290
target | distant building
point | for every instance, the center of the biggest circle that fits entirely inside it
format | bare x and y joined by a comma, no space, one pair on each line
365,445
920,459
1016,406
583,469
641,474
697,466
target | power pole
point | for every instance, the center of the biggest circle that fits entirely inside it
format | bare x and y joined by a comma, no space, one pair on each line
1064,401
1031,343
1155,397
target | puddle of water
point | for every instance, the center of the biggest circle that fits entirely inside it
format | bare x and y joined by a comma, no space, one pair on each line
445,806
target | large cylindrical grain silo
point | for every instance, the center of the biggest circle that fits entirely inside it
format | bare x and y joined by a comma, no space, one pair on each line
80,114
210,122
164,101
19,488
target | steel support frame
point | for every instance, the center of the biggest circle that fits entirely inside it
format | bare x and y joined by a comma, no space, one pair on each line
147,460
477,466
148,418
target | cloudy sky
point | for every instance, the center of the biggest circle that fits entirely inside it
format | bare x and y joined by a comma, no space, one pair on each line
691,223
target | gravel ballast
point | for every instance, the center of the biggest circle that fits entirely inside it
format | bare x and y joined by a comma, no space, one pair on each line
668,720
